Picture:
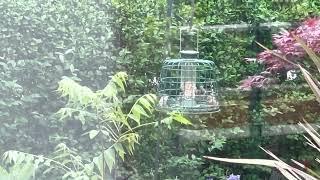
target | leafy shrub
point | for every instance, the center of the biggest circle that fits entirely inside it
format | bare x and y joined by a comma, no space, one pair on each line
112,132
42,41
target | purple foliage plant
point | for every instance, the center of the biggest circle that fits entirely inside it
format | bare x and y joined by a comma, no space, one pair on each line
286,45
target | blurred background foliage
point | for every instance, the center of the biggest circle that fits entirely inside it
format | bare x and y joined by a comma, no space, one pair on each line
43,40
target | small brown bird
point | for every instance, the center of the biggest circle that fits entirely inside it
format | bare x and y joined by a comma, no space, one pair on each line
212,100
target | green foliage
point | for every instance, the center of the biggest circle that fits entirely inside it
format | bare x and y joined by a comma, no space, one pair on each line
112,130
222,47
230,12
18,172
182,167
40,42
44,40
178,158
140,37
113,127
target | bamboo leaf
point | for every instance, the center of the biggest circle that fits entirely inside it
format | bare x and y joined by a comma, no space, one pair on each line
111,89
286,174
277,55
315,136
287,170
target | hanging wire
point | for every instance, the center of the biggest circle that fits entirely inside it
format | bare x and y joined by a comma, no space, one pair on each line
192,14
168,26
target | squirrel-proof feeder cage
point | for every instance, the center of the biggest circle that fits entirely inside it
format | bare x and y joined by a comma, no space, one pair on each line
188,84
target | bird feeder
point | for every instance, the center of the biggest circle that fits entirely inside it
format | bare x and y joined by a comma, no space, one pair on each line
188,84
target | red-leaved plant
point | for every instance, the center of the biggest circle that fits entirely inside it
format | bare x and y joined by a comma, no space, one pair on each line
288,47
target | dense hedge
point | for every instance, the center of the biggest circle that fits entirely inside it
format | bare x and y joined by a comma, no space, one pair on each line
41,41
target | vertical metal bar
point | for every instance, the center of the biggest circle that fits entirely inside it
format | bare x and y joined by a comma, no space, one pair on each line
198,41
180,41
255,112
168,36
192,13
168,26
157,153
255,96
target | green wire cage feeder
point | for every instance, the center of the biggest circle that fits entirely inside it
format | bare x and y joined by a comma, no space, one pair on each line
188,84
